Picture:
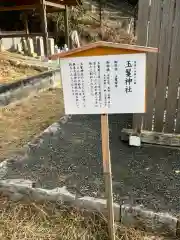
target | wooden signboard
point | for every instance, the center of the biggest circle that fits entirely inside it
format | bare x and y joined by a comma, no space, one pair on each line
104,78
98,84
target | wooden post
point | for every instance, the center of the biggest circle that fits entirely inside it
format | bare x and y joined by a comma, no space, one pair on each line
66,26
100,19
26,23
25,20
107,174
44,26
101,16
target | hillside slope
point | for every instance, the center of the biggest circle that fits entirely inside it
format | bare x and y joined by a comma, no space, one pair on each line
117,21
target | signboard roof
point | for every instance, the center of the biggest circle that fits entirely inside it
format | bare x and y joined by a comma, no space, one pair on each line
104,48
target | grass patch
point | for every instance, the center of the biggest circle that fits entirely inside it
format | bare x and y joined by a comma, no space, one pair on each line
50,222
21,121
10,73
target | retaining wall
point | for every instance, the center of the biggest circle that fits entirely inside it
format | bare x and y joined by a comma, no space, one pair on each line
23,88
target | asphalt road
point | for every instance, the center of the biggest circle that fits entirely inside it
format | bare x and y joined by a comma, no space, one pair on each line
72,157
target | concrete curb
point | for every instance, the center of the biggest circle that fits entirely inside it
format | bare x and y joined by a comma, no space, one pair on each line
52,129
131,216
128,215
20,63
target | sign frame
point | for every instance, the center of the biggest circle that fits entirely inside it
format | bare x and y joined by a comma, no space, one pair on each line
101,49
97,84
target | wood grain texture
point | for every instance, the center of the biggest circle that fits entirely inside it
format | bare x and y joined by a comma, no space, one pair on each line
18,35
20,3
174,76
43,16
105,143
165,139
55,5
163,62
107,174
143,18
153,41
142,33
19,8
66,26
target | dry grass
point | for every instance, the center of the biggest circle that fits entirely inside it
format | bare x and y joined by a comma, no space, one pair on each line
22,121
10,73
37,222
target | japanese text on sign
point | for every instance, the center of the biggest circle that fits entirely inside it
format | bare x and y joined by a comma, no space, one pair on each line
104,84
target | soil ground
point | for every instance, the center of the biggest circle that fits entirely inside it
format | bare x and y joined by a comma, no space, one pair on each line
20,122
10,73
14,66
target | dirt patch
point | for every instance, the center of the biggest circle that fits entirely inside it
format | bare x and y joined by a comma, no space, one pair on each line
20,122
10,73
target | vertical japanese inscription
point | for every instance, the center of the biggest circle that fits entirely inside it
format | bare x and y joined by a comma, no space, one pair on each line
128,77
116,80
77,83
135,73
107,86
91,77
95,83
99,84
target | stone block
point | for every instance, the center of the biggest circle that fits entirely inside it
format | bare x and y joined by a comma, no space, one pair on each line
98,205
54,195
20,189
2,49
40,47
19,48
53,129
30,46
3,169
51,46
57,83
35,44
24,45
17,183
148,220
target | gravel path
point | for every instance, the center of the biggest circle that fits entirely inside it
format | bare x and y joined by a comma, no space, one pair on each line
72,157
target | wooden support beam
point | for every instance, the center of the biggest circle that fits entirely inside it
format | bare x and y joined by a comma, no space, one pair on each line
55,5
66,26
43,16
25,21
26,24
18,8
21,35
158,138
14,35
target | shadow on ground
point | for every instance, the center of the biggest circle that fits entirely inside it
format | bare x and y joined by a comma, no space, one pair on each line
72,157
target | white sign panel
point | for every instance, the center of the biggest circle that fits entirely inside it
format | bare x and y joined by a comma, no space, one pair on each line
104,84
